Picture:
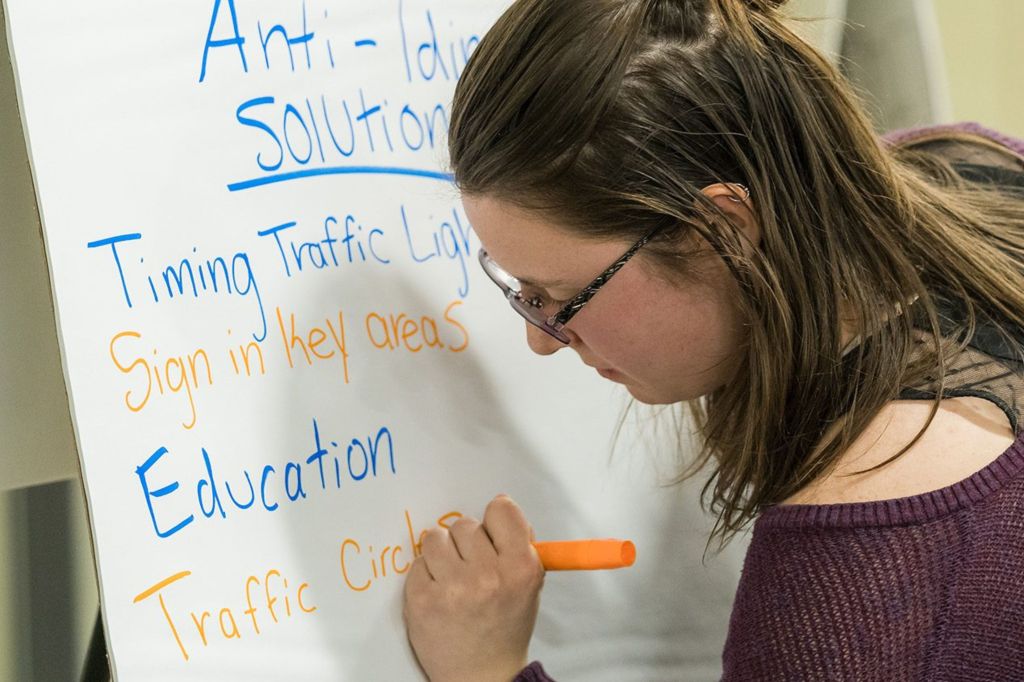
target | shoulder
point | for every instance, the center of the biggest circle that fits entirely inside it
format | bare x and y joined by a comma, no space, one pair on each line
966,435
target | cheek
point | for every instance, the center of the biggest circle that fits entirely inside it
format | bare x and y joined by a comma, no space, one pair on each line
712,319
679,332
697,329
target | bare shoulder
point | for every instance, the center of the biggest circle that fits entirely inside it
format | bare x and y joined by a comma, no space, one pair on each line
965,436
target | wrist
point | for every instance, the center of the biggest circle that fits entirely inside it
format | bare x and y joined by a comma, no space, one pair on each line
499,672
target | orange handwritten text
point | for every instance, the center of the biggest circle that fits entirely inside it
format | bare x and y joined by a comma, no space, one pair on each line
396,331
174,375
362,565
315,344
248,359
268,599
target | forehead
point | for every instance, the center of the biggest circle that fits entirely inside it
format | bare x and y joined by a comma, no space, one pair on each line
532,247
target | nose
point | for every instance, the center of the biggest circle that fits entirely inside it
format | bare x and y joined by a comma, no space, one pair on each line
541,342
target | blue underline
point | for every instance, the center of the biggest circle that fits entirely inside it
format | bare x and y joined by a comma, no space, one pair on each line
339,170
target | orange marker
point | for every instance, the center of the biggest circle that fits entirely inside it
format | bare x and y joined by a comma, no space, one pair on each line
585,555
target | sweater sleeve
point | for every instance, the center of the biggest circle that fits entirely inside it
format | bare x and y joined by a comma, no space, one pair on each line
533,673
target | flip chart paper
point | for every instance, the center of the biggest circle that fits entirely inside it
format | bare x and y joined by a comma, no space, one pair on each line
283,362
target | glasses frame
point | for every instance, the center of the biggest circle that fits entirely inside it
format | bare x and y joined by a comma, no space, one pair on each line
554,324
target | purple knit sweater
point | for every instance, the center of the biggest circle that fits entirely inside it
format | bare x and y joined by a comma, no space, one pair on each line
929,587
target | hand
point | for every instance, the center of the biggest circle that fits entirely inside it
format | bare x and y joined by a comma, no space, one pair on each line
471,597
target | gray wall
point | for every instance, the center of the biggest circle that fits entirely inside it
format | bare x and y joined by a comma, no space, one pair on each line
48,596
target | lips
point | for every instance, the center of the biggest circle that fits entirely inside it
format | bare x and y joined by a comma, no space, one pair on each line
606,372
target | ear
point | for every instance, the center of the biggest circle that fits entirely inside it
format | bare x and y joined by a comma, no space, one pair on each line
734,201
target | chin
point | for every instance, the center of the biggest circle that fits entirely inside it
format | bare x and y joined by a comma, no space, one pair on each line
651,397
654,396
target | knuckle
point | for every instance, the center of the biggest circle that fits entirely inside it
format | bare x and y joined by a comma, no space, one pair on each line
434,534
455,594
465,525
500,503
528,573
538,576
434,539
488,585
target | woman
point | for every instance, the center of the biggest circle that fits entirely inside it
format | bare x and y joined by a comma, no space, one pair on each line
843,315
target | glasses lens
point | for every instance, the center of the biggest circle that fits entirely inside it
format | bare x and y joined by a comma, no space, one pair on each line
538,316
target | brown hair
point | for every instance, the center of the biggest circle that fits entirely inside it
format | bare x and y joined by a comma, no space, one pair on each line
610,115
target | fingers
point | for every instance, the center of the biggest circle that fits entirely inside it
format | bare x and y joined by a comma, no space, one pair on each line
418,578
419,589
470,611
505,530
472,541
439,554
507,526
446,551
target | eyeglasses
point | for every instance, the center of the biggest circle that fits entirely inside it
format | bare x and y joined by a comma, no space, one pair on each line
534,307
